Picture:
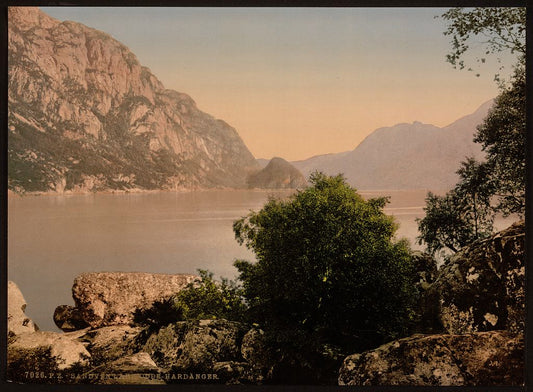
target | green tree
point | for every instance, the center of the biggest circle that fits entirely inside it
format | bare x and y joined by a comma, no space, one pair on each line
461,216
498,185
206,298
503,137
475,189
329,273
490,29
503,133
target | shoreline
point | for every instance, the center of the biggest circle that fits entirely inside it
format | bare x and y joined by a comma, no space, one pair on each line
13,194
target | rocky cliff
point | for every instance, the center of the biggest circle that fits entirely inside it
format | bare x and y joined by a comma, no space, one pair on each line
84,115
277,174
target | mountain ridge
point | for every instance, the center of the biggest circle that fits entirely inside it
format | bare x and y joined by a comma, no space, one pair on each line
406,155
84,115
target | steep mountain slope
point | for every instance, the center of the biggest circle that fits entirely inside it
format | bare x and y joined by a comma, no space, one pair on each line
405,156
84,115
277,174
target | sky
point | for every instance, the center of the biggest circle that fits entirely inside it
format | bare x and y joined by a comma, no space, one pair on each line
299,82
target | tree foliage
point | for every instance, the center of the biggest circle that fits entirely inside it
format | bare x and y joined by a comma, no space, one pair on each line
462,215
498,185
204,298
328,271
503,137
495,29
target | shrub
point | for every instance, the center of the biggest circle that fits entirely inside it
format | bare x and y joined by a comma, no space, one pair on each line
329,275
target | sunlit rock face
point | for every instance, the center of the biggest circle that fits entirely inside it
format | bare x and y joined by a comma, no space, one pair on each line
85,115
17,321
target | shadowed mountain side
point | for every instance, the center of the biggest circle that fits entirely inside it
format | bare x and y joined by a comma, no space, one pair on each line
405,156
84,115
277,174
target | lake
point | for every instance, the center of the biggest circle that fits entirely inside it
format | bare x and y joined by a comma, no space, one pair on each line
52,239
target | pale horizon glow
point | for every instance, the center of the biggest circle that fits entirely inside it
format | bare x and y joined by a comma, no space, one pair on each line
299,82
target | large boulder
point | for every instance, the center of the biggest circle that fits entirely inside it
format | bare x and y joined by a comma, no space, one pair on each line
223,351
482,287
481,359
45,351
17,321
196,345
111,298
108,344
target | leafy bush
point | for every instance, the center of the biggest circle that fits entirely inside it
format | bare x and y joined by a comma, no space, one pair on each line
204,298
207,299
329,274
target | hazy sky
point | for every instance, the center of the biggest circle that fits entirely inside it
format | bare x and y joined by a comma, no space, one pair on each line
297,82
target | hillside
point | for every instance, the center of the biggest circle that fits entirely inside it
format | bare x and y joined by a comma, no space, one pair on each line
405,156
277,174
85,115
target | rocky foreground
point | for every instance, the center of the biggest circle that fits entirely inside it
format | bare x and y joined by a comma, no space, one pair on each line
478,298
473,312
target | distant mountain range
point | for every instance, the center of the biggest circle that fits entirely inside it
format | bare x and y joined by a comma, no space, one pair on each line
405,156
84,116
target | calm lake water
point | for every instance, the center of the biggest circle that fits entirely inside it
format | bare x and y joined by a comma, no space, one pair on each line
52,239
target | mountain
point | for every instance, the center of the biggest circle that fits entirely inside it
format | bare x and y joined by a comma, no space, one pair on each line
84,115
262,162
405,156
277,174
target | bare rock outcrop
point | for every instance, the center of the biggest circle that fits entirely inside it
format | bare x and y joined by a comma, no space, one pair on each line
111,298
479,297
222,347
46,351
192,345
108,344
17,321
482,287
482,359
134,369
